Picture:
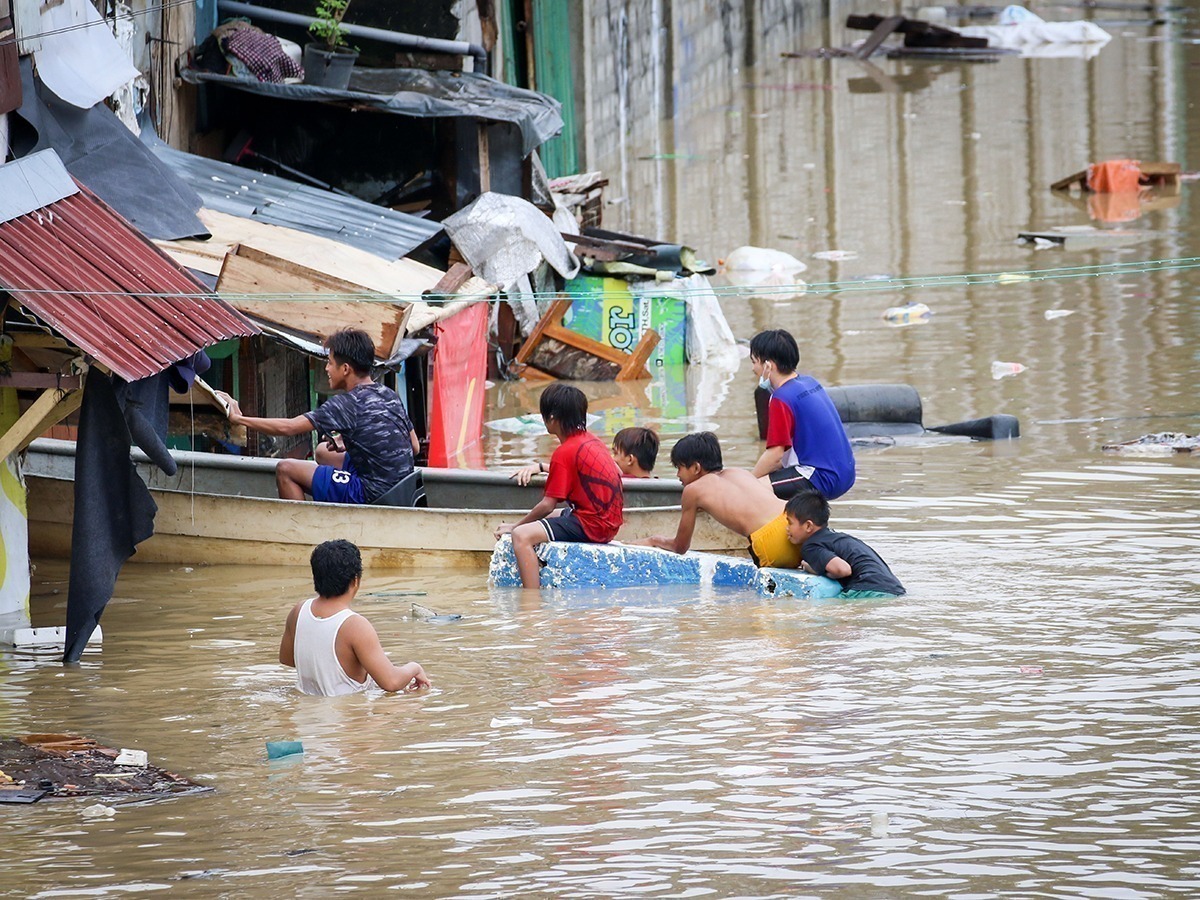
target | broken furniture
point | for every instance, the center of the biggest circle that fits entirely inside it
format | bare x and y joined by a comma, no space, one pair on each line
552,351
1117,175
920,38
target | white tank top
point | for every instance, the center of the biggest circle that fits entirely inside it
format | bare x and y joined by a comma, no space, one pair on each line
317,668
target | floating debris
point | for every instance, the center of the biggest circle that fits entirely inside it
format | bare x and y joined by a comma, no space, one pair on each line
68,765
280,749
912,313
1164,443
836,255
1058,313
1005,369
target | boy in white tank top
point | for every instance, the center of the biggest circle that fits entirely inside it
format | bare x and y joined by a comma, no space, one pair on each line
333,649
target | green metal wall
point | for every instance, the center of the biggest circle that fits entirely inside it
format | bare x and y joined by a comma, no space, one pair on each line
551,72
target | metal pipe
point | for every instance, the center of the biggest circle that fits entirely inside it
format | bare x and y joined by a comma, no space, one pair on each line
397,38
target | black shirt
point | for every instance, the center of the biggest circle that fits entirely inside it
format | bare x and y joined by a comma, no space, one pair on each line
374,427
868,571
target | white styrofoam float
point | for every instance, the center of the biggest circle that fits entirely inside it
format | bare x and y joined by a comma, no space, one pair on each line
621,565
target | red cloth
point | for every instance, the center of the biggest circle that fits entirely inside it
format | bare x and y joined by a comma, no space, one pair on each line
1114,176
781,424
583,473
457,390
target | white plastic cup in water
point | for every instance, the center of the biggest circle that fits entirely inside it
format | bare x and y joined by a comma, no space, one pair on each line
879,824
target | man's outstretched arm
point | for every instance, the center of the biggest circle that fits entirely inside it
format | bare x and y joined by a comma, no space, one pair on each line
369,651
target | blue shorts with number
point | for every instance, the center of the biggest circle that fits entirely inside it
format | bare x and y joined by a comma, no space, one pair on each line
332,485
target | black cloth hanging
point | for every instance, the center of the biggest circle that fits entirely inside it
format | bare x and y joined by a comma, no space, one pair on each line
114,511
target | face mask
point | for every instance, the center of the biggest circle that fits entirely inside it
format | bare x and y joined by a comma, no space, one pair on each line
765,384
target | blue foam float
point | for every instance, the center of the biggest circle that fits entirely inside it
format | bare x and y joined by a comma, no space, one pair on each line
568,565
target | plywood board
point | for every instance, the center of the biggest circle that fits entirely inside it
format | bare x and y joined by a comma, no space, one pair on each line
248,271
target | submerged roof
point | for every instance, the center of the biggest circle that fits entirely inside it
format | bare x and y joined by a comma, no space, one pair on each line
79,267
238,191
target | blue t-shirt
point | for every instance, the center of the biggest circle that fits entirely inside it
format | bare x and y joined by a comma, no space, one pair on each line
374,426
801,416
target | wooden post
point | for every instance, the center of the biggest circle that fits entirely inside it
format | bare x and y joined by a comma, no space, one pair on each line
50,408
485,158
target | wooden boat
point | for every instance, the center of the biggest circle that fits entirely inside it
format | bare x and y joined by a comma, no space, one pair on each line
224,509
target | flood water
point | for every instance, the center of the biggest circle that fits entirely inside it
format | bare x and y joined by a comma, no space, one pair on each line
1023,723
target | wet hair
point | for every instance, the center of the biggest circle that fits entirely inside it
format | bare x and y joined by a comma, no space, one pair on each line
640,443
567,404
335,564
776,346
701,447
808,506
353,347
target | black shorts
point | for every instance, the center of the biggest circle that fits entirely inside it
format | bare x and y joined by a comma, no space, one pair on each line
788,482
565,528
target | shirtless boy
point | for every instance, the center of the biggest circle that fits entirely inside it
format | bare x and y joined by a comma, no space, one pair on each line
734,497
333,649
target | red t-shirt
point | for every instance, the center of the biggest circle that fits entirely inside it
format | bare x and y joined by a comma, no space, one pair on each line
583,473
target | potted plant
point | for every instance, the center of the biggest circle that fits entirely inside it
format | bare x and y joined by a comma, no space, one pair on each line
329,59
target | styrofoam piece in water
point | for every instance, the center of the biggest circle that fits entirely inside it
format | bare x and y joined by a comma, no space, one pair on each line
796,583
568,565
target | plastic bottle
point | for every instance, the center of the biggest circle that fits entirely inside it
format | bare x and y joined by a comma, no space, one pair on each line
908,314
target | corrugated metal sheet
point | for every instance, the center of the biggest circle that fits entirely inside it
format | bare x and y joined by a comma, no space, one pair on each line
243,192
100,272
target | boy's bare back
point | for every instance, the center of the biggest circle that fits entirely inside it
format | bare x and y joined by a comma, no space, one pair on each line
735,498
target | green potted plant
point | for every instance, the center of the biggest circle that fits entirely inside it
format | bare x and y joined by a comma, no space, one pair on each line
329,59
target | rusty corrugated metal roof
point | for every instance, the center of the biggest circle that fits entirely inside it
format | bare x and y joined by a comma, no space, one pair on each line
90,275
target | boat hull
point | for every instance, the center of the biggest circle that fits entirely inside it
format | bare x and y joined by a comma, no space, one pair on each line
202,529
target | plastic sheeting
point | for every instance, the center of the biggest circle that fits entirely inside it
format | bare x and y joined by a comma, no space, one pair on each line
80,60
103,154
503,238
423,94
1019,29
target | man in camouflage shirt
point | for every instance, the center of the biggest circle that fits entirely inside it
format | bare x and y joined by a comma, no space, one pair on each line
371,439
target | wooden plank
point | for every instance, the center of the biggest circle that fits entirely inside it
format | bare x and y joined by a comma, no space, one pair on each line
485,158
460,273
586,344
41,380
402,277
51,407
38,339
879,34
557,310
635,367
1160,168
1064,184
249,271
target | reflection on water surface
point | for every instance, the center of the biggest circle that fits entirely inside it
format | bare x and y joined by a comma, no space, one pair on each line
1022,723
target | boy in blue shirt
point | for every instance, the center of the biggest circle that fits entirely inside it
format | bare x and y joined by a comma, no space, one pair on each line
807,446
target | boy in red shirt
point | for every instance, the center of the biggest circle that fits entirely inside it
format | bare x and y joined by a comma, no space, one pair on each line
582,473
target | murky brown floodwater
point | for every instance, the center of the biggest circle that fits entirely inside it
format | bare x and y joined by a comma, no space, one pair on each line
723,745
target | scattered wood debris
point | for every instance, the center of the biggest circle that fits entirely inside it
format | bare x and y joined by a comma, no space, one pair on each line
1164,443
67,765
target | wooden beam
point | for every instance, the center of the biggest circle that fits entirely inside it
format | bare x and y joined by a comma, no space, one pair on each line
1064,184
485,158
557,310
879,34
48,409
458,275
248,271
635,367
38,339
45,380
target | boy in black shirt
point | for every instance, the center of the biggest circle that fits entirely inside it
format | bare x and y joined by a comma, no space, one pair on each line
860,570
